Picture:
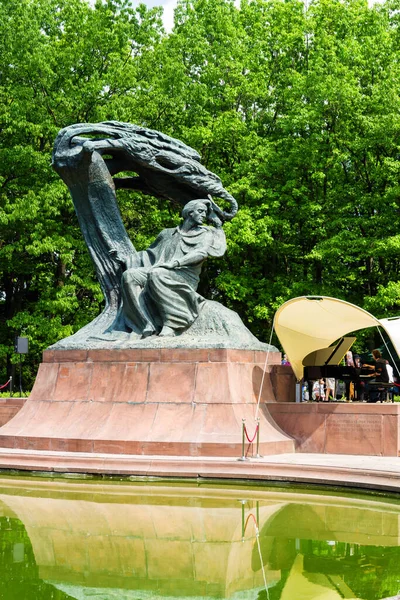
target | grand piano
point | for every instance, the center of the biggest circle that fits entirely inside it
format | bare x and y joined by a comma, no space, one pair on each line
326,363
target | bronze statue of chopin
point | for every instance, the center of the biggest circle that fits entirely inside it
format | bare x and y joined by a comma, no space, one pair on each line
150,296
159,297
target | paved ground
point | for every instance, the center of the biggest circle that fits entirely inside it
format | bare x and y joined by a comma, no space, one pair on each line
373,472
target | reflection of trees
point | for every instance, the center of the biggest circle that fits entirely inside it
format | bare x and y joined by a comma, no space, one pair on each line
275,591
333,546
369,571
19,577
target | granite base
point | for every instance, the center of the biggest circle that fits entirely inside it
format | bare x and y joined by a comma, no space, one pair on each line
341,428
9,407
150,402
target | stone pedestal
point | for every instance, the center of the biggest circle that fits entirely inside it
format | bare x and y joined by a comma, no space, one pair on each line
340,427
175,402
9,407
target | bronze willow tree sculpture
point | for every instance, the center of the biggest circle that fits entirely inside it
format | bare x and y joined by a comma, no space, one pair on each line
87,157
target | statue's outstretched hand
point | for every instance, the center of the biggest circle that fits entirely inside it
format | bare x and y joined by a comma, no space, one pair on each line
169,265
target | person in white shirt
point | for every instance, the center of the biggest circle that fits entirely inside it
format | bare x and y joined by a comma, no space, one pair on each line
318,391
389,370
330,388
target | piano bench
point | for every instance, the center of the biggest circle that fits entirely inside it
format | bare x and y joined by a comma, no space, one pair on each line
379,385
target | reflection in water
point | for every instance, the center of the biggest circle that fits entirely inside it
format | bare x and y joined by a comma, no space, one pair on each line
255,522
19,574
64,539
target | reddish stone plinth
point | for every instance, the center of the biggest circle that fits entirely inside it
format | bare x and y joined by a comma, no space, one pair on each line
9,408
341,428
151,402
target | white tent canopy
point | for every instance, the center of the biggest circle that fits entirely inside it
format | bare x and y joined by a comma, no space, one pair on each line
310,323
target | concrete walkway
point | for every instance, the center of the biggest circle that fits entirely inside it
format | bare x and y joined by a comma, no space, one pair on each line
368,472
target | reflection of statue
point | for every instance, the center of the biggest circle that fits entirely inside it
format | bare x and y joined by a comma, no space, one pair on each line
161,292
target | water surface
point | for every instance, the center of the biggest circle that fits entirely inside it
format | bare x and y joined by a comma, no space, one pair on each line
66,539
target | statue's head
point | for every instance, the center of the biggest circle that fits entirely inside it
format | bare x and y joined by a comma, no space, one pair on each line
197,210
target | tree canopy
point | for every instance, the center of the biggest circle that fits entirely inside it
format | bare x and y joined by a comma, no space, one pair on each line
295,107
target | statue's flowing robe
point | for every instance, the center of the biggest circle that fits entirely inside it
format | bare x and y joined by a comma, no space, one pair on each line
170,294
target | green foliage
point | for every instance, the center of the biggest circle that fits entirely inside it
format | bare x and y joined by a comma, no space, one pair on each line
296,109
62,62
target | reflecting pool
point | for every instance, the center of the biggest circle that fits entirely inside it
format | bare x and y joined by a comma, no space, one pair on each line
66,539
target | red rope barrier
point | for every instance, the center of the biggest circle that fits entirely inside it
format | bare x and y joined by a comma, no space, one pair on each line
5,385
254,436
247,520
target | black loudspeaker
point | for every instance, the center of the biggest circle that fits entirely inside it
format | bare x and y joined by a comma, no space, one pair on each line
21,345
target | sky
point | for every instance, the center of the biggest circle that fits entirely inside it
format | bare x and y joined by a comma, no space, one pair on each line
168,6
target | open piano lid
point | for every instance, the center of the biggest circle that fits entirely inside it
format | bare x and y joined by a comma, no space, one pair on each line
329,356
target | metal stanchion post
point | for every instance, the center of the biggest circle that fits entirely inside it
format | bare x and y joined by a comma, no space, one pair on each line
243,457
243,502
20,376
11,386
258,455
